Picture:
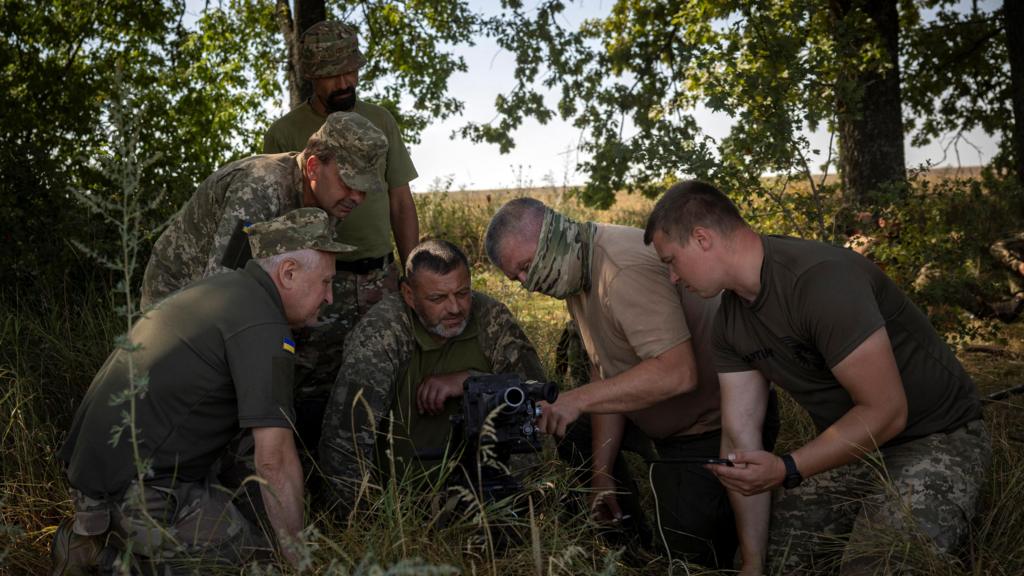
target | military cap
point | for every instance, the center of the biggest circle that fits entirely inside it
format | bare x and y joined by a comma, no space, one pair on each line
359,148
305,228
330,48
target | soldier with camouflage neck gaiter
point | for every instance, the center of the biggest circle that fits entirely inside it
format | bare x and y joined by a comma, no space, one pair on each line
651,371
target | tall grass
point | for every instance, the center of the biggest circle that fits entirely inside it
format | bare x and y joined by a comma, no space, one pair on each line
54,338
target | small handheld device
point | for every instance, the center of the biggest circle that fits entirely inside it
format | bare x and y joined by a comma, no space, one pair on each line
693,460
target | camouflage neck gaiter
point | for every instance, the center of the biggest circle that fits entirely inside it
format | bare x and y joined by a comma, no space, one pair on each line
561,266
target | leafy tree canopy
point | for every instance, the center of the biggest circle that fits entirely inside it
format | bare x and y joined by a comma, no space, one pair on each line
632,80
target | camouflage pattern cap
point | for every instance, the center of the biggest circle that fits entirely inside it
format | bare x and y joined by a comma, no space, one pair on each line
359,149
296,230
330,48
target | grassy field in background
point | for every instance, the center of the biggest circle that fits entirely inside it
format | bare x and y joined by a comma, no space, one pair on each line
53,339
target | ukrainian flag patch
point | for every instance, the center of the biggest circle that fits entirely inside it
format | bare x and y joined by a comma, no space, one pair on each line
288,345
246,226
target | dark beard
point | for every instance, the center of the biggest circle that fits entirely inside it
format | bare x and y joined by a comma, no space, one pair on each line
341,100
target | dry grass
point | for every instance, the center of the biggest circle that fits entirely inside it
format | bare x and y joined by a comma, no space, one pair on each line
52,341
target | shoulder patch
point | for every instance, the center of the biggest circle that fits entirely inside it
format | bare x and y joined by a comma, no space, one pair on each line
288,345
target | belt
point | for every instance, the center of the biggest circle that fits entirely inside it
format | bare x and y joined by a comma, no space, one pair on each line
364,265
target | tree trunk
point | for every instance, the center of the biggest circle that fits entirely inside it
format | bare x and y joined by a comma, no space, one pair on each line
291,67
869,112
307,13
1013,19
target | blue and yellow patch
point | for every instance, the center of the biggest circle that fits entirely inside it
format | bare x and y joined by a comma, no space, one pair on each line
288,345
246,227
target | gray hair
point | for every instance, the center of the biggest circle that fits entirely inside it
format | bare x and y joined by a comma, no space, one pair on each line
689,204
305,258
437,256
521,218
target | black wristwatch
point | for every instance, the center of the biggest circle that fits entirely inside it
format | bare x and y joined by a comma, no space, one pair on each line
793,477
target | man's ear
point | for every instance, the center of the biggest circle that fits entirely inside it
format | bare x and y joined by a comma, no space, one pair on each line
703,237
313,165
407,293
286,274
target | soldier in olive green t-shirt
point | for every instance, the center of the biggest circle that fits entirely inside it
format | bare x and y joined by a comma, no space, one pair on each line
213,362
881,386
330,59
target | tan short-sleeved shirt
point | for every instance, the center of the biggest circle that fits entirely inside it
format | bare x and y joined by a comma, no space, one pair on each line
631,313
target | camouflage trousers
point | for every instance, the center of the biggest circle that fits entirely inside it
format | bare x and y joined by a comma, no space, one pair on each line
189,528
866,517
318,351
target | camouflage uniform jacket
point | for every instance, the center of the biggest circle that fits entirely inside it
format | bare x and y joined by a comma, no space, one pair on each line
376,355
256,189
1009,251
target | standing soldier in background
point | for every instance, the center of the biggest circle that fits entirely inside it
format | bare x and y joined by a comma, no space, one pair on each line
330,59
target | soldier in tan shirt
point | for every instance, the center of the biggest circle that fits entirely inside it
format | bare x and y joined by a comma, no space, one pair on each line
652,366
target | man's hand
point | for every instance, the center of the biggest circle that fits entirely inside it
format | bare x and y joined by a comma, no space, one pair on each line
604,506
753,472
435,390
555,418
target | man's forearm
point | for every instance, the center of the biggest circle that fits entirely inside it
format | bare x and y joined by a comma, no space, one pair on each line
282,497
404,224
606,432
860,431
649,382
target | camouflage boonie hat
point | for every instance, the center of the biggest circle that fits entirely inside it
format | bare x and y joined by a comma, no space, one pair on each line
296,230
330,48
359,149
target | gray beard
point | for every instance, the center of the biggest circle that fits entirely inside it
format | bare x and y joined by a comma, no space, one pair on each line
439,328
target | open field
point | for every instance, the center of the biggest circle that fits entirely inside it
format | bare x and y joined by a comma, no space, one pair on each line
53,338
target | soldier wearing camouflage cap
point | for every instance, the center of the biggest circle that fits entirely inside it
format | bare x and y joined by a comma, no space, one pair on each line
330,58
335,172
404,365
217,356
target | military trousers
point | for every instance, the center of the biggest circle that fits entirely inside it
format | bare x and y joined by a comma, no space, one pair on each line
187,528
863,517
318,351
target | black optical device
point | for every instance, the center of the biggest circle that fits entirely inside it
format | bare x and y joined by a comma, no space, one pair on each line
498,411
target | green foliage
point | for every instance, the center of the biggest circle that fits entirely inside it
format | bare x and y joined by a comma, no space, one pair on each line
196,101
54,338
956,77
632,80
409,63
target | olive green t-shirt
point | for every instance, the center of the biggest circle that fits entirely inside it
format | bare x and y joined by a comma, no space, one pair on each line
423,432
816,305
368,226
218,360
